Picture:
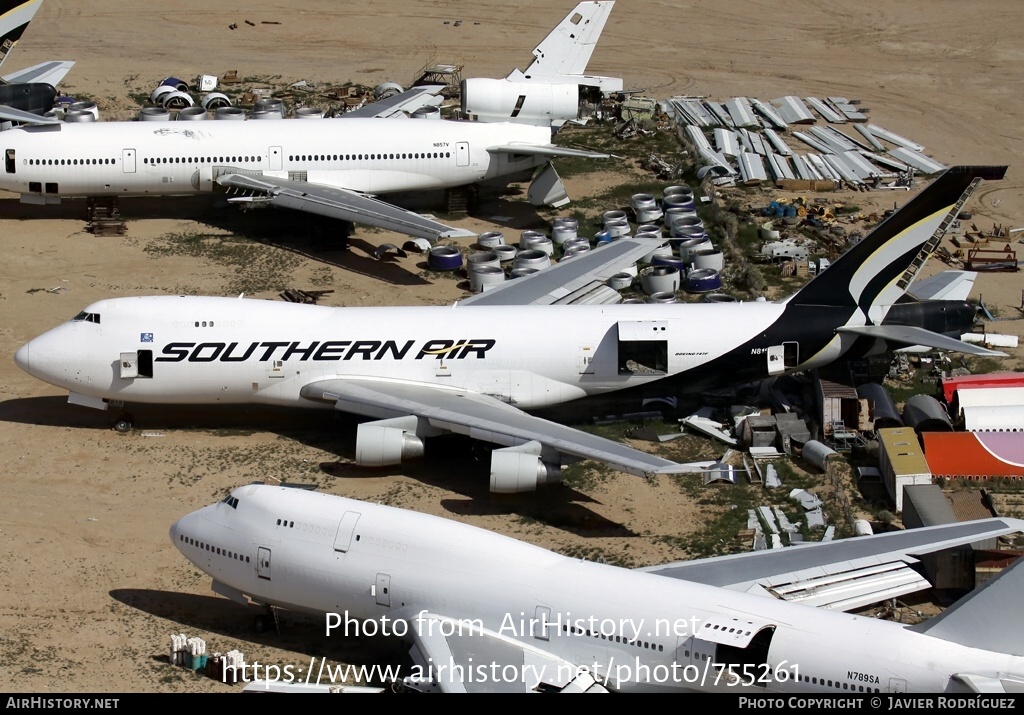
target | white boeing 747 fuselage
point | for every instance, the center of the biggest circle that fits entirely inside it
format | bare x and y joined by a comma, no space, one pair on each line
203,350
384,568
175,158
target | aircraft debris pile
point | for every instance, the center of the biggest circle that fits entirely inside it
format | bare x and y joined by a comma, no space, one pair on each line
748,144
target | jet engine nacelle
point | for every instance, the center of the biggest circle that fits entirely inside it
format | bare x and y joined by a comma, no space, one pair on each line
521,469
538,103
387,442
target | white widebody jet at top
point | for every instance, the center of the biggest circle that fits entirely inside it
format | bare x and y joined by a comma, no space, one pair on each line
476,368
487,613
331,167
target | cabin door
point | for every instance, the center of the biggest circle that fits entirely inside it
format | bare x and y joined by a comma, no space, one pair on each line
128,161
462,154
382,589
274,160
346,527
263,562
783,357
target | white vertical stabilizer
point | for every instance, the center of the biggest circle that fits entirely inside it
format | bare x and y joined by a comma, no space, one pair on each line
567,49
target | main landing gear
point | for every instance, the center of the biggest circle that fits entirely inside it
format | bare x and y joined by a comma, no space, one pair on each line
262,622
123,424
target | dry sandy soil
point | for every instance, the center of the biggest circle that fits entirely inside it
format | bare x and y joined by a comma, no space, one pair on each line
90,586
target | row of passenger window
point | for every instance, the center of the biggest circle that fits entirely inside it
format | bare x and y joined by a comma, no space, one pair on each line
839,684
361,157
204,160
69,162
241,159
647,645
213,549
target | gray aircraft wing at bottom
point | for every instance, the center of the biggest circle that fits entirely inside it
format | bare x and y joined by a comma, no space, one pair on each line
337,203
845,574
481,417
569,277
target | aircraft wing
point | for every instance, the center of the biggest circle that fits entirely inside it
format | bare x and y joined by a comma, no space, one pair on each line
9,114
948,285
566,280
337,203
842,575
401,104
43,73
551,150
457,656
911,335
481,417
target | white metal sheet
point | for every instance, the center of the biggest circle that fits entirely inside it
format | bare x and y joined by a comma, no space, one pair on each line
825,111
741,112
769,113
894,138
813,142
793,110
871,138
845,107
727,142
777,142
752,168
917,160
697,137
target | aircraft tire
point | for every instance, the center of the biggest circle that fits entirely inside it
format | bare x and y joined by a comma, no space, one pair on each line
123,424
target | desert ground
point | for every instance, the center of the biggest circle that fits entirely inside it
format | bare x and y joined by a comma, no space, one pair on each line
90,586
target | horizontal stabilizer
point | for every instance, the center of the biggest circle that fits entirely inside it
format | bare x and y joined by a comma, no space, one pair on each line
948,285
911,335
988,618
9,114
43,73
546,150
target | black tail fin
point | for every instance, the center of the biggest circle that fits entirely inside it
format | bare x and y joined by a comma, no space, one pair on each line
874,273
14,18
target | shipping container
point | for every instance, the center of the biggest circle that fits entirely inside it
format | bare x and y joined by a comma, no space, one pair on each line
901,461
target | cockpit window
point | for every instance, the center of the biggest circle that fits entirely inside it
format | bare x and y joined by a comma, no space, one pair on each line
230,501
84,317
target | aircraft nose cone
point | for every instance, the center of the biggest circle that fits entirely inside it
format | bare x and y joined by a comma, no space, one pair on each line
177,532
21,358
